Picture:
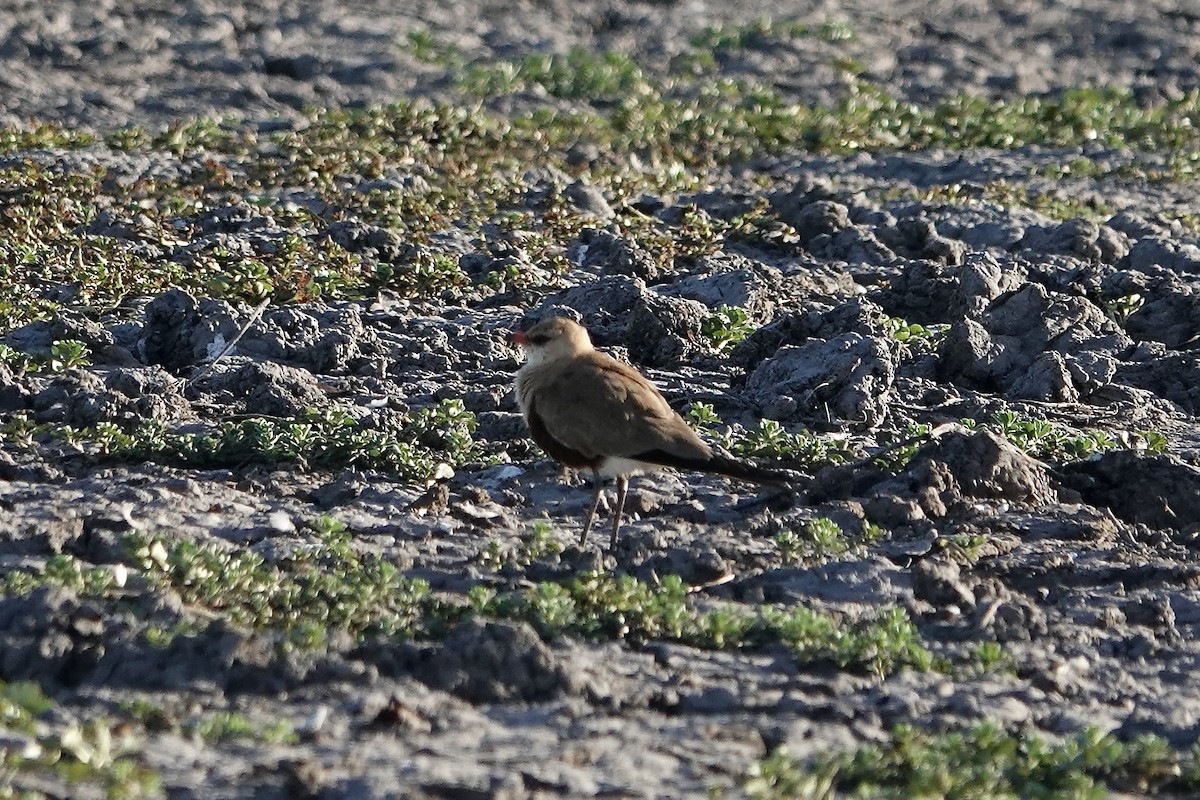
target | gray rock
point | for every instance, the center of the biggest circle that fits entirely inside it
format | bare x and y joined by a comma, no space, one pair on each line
1078,237
124,397
1023,342
589,200
1170,315
604,253
727,279
1159,490
815,321
665,331
1154,253
266,388
1174,377
918,238
846,378
480,661
940,583
954,471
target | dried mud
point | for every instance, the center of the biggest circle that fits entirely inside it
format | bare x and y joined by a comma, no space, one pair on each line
1085,575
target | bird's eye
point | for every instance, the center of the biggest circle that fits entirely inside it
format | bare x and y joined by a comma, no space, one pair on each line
538,338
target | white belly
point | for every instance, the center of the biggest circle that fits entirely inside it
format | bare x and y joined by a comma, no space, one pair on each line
612,466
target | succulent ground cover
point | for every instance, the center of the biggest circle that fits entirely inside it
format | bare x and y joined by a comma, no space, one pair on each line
270,524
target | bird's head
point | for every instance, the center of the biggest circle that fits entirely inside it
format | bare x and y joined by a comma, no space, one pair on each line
557,337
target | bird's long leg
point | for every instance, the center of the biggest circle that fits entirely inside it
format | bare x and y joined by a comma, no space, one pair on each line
622,489
598,486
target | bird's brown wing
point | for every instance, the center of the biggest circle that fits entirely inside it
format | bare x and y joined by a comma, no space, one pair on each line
598,406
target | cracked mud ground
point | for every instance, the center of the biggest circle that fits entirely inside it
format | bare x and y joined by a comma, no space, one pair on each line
337,536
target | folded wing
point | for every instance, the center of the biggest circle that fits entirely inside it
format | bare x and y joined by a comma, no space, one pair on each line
597,406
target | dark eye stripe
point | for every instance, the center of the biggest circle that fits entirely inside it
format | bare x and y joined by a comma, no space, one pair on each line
538,338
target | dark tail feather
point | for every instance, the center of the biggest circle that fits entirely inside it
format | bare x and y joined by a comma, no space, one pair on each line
723,465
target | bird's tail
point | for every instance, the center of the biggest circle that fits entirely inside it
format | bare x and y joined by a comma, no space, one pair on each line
729,467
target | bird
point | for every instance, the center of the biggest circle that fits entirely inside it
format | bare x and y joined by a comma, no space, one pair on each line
587,410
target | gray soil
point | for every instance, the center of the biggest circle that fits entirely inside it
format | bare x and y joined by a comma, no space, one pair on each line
110,64
1086,577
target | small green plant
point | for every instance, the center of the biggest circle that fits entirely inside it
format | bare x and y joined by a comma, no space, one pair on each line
129,139
761,227
758,33
20,702
160,637
425,274
1081,167
836,31
790,545
826,536
427,48
910,332
1120,309
821,541
703,415
320,588
580,75
896,459
496,554
429,437
539,541
83,753
64,354
964,548
226,726
602,606
990,657
15,359
41,135
778,776
1045,440
147,713
327,527
62,570
727,326
980,762
697,235
771,440
20,429
1153,441
535,543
